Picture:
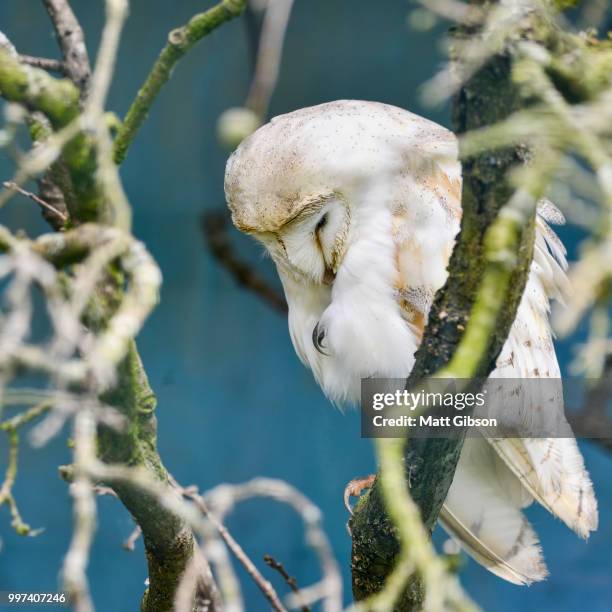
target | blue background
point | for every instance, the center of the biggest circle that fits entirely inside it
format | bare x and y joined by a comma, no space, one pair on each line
234,402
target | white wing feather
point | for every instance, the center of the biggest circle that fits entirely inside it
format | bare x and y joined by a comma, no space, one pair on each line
483,513
551,469
485,518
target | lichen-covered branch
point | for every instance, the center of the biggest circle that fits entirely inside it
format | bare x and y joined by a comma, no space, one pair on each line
520,80
71,41
491,260
180,41
169,540
58,100
37,90
104,290
215,226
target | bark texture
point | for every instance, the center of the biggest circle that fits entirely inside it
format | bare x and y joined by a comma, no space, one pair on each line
488,97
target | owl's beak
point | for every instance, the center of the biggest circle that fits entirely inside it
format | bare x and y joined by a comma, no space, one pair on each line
329,277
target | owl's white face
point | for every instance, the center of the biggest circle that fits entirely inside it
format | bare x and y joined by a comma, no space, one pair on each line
310,247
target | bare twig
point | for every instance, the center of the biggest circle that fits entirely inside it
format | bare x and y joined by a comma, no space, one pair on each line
25,417
52,65
180,41
264,585
224,497
11,468
76,561
215,227
72,43
32,196
289,580
114,196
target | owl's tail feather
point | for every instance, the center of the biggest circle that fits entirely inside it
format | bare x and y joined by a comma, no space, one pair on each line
523,568
553,472
483,514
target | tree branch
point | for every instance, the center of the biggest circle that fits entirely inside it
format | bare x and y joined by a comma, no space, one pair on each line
180,41
169,541
72,43
290,581
42,203
481,294
215,226
264,585
52,65
78,140
58,100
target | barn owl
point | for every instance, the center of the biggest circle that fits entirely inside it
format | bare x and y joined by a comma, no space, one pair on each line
358,204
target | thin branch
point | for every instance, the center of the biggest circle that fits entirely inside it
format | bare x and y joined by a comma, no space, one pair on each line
11,467
32,196
290,581
72,43
180,41
10,426
222,500
269,54
264,585
114,198
52,65
84,508
18,420
215,227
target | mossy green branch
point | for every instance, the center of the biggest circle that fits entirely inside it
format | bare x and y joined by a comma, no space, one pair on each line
476,274
58,99
502,246
180,41
11,427
169,542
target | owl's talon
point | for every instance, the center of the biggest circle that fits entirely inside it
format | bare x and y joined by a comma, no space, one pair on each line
354,489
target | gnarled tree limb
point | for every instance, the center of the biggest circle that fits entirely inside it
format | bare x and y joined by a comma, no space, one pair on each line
488,97
169,540
72,43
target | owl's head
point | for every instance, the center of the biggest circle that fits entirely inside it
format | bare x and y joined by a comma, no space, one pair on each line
299,183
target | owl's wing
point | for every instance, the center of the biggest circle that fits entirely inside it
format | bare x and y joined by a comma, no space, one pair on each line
482,512
483,507
551,469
